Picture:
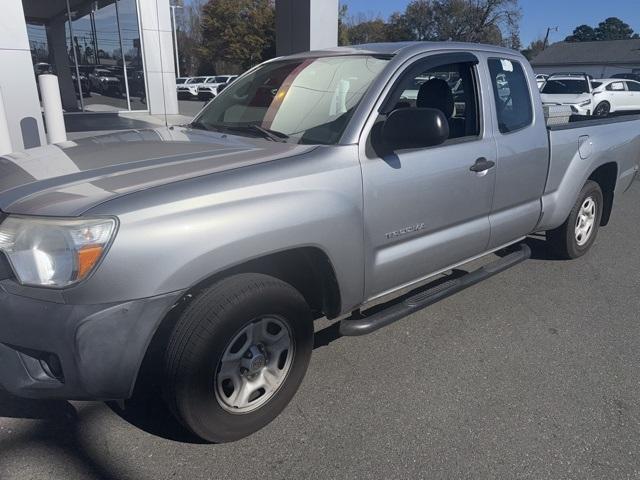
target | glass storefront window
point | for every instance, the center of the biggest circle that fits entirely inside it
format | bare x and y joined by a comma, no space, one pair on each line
97,55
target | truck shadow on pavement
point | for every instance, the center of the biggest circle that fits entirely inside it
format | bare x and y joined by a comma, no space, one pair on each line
146,411
56,427
540,248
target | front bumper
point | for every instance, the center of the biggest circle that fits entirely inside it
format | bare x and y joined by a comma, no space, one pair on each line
575,108
578,110
75,352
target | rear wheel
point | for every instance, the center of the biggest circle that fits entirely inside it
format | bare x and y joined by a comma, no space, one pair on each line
578,233
602,109
237,356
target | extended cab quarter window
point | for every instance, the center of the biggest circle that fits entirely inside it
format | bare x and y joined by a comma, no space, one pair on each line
511,93
448,88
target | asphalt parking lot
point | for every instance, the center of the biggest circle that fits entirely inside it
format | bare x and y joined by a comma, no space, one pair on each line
532,374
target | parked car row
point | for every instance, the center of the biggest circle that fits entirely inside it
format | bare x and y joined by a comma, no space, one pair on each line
202,88
588,96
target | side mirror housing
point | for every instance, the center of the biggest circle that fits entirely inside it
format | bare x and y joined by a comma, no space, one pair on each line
415,128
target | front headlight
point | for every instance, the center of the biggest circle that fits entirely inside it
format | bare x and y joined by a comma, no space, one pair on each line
55,253
586,103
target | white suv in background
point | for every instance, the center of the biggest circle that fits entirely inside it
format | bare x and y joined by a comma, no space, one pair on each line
615,95
189,89
571,89
540,79
209,89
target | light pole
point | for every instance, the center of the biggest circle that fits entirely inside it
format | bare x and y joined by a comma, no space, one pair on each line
175,37
546,37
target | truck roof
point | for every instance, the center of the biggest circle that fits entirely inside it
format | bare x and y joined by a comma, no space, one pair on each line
404,48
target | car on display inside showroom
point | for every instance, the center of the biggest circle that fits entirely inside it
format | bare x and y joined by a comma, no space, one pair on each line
101,80
191,261
615,95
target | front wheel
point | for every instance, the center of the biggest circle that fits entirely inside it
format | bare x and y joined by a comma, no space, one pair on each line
602,110
237,356
578,233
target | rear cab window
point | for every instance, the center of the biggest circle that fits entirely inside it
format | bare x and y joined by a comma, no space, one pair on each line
511,93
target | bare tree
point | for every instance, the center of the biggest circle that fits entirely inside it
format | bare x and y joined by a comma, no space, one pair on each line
486,21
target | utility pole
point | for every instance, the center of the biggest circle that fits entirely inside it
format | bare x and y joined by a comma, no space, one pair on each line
175,37
546,37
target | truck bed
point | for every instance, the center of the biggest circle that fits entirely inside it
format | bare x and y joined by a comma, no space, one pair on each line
581,147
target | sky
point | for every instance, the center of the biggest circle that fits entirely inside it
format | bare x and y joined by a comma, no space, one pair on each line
537,15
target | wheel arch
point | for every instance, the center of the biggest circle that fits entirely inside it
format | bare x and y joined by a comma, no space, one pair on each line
308,269
606,176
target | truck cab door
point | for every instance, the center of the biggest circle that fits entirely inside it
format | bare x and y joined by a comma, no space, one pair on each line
426,209
523,150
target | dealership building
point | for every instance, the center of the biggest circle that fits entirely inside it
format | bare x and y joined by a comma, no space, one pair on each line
601,59
114,55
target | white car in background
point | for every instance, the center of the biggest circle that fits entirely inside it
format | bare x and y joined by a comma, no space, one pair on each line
570,89
615,95
189,89
209,89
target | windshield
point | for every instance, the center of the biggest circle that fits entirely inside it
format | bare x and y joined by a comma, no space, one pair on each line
568,86
307,100
219,79
197,80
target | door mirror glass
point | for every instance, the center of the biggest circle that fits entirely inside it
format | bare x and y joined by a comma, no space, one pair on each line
415,128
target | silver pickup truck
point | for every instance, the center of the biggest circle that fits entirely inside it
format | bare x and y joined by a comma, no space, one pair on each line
325,184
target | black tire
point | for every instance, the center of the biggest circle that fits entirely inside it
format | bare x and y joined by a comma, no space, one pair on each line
602,109
563,239
202,335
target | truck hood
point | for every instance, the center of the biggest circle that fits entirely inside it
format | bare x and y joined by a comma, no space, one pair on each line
68,179
565,99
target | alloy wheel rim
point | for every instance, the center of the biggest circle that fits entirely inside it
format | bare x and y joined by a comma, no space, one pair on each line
254,365
602,109
585,221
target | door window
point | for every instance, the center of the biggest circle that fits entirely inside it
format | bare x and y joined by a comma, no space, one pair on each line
448,88
633,86
511,94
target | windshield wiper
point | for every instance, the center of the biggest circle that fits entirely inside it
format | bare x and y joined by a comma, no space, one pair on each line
267,133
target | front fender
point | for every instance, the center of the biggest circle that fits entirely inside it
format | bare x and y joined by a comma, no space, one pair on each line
173,237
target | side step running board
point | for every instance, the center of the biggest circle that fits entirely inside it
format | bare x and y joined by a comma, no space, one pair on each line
393,311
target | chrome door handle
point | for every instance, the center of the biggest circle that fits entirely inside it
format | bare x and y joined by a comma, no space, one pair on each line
482,165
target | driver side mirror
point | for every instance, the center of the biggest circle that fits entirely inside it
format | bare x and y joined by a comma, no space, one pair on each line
415,128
